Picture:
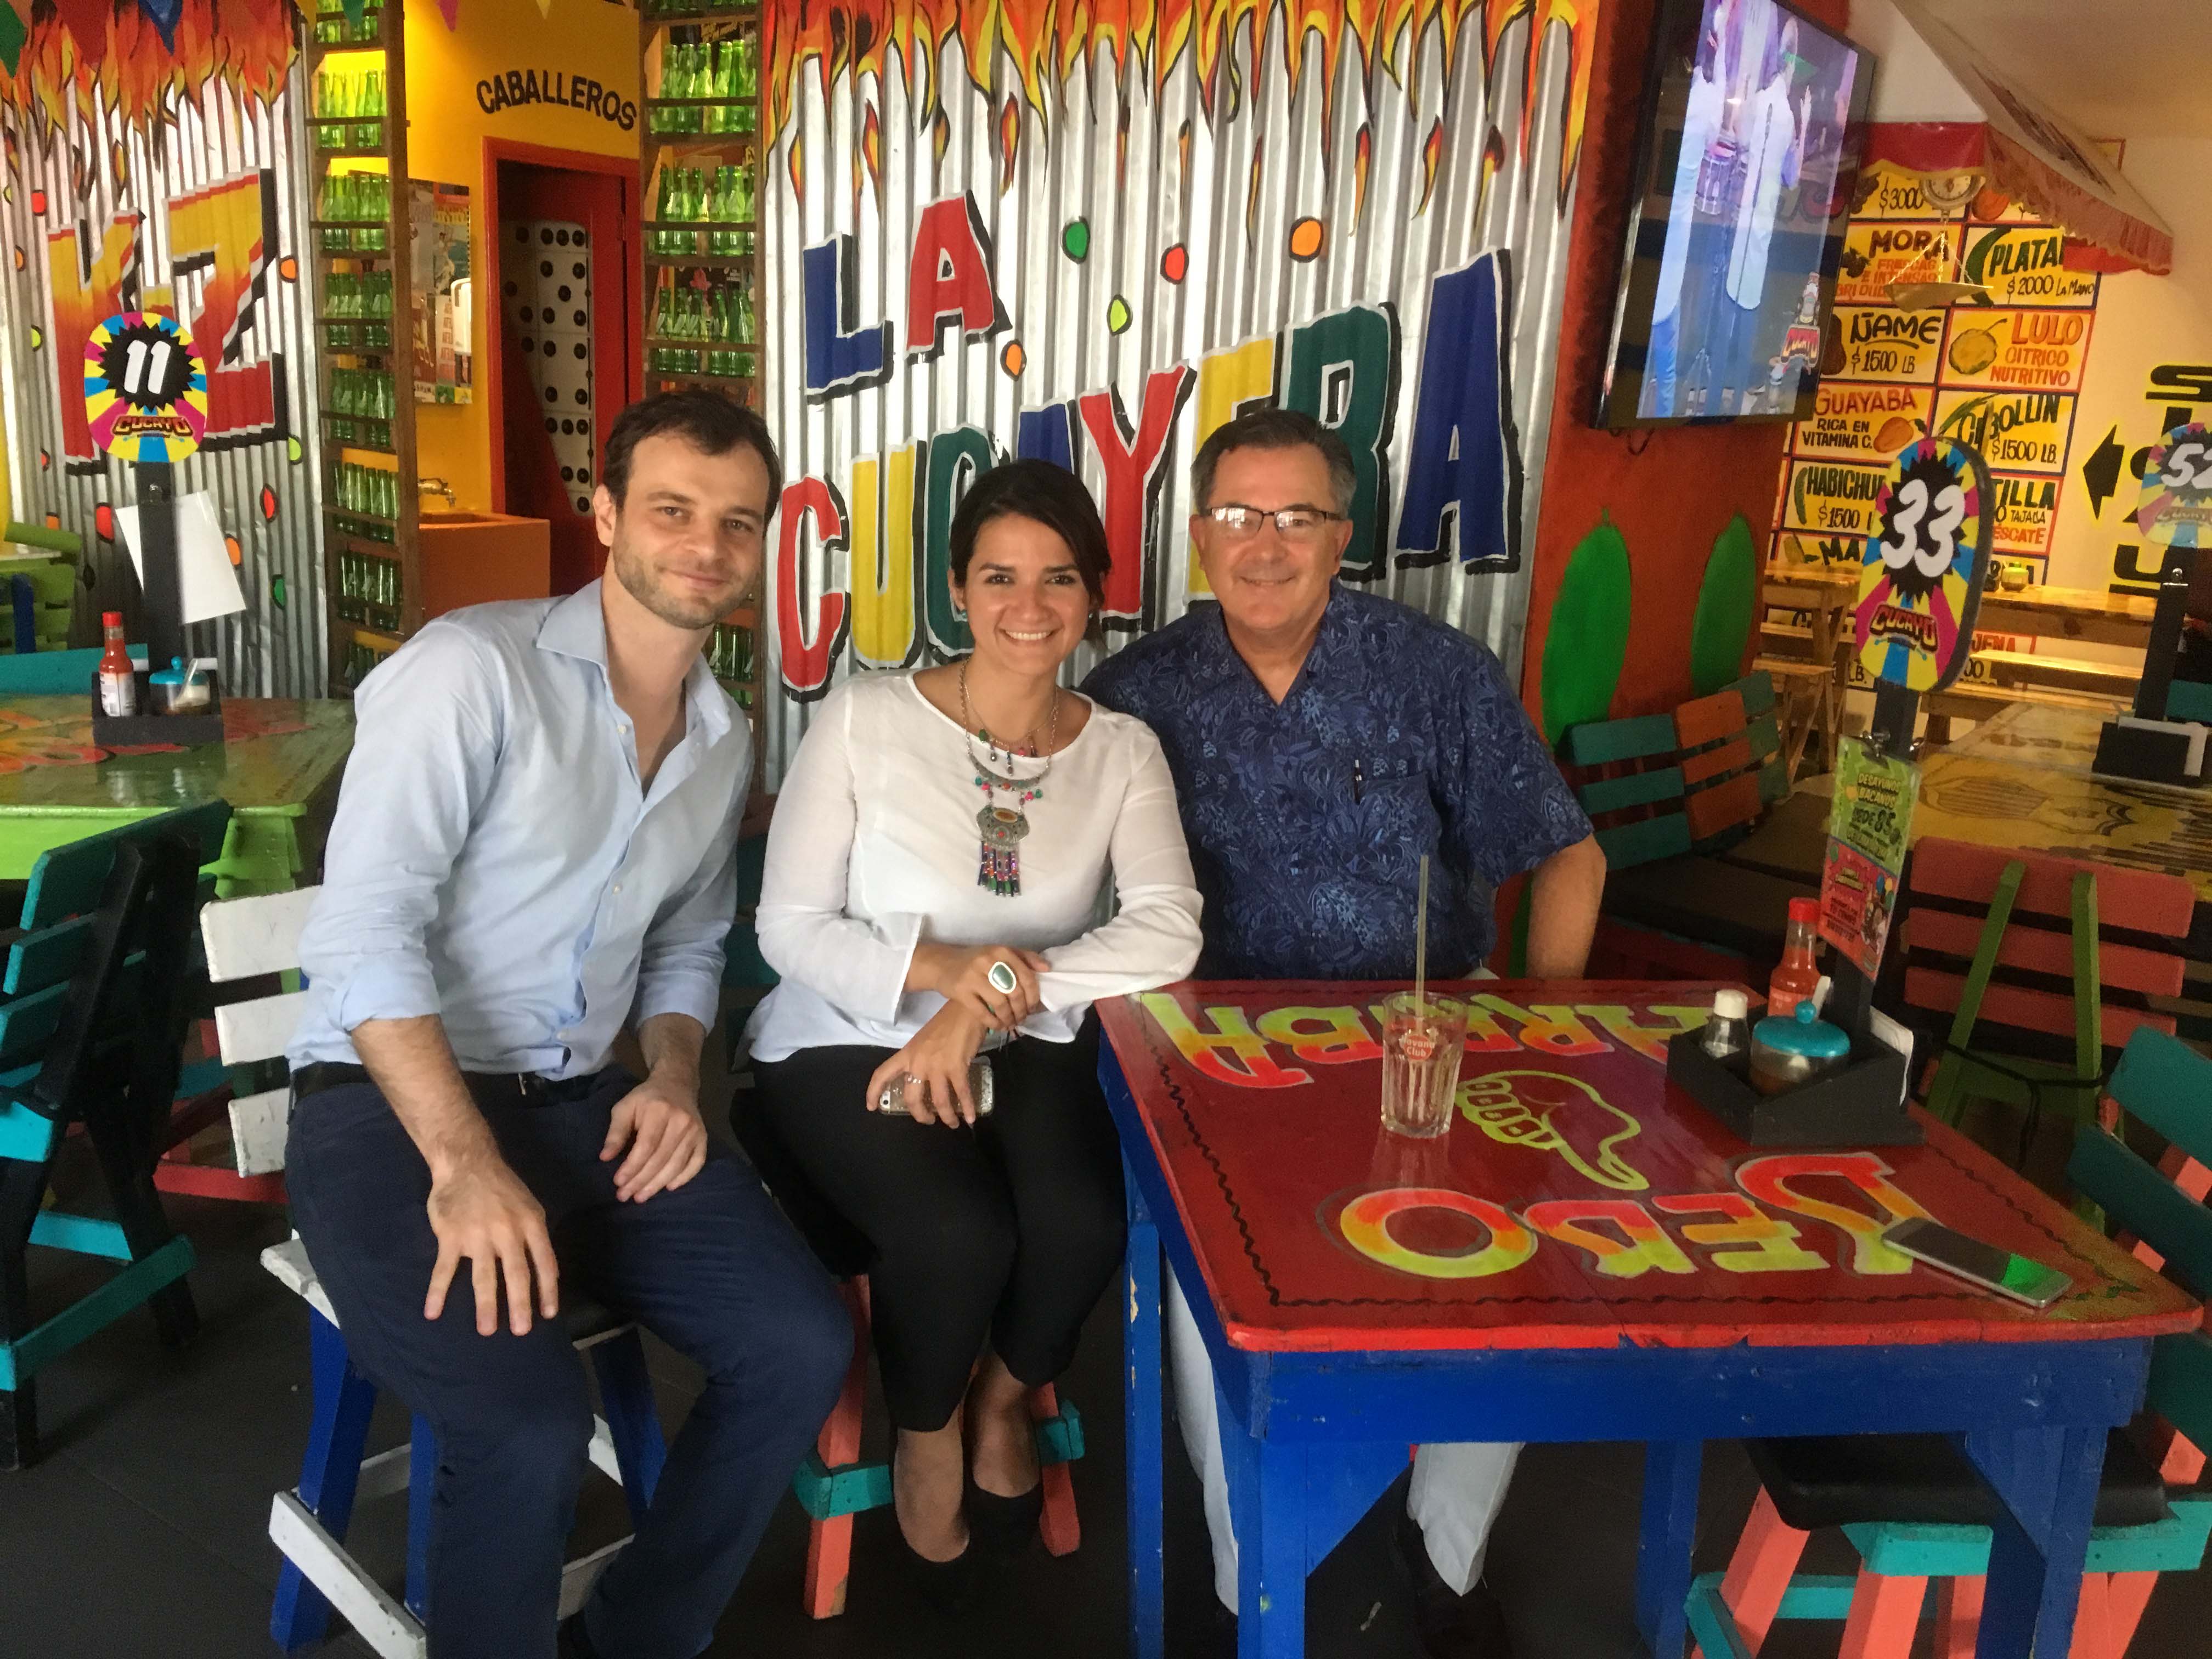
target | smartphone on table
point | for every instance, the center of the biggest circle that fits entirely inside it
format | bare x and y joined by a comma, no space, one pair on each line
1978,1263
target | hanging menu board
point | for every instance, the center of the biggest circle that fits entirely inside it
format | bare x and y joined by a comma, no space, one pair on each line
2002,378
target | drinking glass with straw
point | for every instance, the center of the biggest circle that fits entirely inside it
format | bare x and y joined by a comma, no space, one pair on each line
1423,1039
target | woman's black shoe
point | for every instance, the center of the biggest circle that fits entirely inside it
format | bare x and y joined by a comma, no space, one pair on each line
948,1586
1004,1526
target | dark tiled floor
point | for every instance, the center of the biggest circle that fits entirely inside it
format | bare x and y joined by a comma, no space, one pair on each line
142,1532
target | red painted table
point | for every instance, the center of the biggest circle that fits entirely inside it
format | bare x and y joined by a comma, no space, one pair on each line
1588,1255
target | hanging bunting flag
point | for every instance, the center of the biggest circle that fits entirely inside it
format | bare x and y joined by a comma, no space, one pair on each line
451,11
12,36
545,9
163,14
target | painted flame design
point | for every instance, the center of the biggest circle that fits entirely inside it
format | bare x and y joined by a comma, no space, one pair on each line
1363,155
1432,150
1047,41
86,45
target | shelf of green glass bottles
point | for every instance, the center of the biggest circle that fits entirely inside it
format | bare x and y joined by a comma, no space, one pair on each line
357,530
719,261
362,437
695,15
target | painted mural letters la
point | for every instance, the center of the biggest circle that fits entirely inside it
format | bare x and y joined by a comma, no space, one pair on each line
221,241
1016,230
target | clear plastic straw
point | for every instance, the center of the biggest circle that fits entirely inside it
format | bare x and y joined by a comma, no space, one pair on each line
1421,945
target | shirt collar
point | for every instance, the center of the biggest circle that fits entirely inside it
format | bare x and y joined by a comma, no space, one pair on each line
1336,638
577,627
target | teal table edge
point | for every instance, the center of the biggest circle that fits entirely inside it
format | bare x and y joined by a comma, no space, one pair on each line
1310,1440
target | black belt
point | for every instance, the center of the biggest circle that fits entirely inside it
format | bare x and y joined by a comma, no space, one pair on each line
493,1086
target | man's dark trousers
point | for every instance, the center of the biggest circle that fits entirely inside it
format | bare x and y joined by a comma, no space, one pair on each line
712,1269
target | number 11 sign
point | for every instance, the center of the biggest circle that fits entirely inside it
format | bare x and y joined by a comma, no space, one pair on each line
1922,584
145,390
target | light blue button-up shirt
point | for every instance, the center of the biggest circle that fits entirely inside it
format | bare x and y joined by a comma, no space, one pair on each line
496,861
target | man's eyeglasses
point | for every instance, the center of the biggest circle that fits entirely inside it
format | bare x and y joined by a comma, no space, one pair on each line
1292,524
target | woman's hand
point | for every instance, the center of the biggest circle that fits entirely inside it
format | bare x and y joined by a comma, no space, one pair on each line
962,976
935,1063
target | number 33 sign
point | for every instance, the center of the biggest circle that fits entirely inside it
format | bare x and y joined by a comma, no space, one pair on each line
1922,583
145,390
2176,509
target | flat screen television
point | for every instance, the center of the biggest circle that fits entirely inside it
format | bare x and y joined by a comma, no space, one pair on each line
1754,119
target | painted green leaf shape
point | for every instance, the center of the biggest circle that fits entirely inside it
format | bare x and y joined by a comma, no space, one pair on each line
1588,641
1725,603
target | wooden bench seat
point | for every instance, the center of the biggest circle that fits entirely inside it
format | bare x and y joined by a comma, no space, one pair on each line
2060,673
1978,700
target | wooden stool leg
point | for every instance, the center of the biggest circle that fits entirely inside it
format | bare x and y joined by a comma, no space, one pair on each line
1759,1572
829,1543
1061,1529
1957,1617
2092,1625
1885,1614
22,1184
2125,1603
626,1391
328,1475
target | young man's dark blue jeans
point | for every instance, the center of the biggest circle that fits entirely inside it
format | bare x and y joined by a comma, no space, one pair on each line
712,1269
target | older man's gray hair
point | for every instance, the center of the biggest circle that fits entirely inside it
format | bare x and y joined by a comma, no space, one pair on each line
1273,428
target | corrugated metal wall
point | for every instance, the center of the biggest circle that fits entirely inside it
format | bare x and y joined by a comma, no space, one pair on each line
1412,155
79,177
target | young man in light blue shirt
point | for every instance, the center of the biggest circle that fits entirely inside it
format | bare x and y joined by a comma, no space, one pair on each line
534,849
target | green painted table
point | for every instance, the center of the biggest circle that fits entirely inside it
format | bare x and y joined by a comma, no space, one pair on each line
278,769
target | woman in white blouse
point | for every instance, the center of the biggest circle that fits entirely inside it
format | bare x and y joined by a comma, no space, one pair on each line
936,871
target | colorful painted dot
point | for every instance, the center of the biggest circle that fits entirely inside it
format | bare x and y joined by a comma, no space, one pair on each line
268,505
1174,264
19,258
291,451
37,201
288,269
1013,358
45,461
237,553
1306,240
1117,316
1075,239
276,591
103,521
38,338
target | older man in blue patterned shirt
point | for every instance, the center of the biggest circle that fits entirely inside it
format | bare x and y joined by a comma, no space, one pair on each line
1323,741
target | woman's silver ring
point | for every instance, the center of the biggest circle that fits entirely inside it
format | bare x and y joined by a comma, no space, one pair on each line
1002,978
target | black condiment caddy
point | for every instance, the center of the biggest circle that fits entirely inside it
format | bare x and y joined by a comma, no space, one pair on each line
1860,1103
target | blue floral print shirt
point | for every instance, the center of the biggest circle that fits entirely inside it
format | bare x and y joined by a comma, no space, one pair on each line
1308,819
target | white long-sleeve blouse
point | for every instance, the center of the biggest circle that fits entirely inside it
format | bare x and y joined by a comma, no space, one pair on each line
874,848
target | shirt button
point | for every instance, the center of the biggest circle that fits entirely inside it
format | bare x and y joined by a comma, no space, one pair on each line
618,887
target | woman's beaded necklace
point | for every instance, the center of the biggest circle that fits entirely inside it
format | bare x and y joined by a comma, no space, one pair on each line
999,865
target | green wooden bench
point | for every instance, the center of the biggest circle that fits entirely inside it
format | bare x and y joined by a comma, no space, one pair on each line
96,993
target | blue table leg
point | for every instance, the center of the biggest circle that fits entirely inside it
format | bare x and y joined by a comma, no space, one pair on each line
1267,1505
2047,1480
1671,1468
1141,1348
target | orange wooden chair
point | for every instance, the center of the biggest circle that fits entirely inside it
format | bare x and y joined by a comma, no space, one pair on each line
833,1485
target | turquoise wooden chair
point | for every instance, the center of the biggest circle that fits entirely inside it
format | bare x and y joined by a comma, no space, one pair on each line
97,992
1897,1497
52,673
1666,792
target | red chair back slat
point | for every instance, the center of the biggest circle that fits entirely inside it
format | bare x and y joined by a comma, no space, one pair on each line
2024,1009
2126,966
1709,720
1722,806
1717,763
2142,901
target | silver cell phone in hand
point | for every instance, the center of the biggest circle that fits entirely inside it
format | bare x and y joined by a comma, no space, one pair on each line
893,1098
1985,1265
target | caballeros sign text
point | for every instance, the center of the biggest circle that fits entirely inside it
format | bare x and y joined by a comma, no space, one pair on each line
517,87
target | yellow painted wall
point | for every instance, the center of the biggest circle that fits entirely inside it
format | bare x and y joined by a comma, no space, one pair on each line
446,127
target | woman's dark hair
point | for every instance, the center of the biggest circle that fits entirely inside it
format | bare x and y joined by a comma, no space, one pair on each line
710,423
1048,494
